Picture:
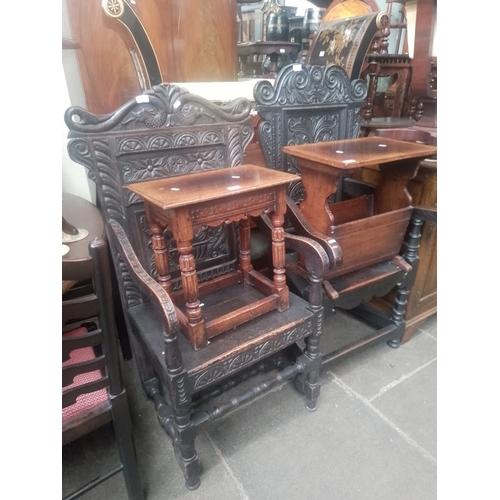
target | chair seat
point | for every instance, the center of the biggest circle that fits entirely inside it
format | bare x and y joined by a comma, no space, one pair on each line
229,352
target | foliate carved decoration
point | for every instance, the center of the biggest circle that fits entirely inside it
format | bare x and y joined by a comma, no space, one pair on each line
309,85
248,358
307,129
306,104
297,192
169,165
163,105
164,132
99,161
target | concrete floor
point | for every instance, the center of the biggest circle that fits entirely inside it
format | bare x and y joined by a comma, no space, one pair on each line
373,437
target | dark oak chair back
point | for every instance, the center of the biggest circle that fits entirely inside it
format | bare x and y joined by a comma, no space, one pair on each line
168,132
163,133
92,389
306,104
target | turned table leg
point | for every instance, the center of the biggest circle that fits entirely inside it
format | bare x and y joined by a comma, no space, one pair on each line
182,231
278,250
160,250
245,259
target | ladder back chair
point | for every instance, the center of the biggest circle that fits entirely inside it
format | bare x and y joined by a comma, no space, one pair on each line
93,393
170,134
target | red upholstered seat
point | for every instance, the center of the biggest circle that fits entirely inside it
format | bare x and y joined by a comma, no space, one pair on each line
84,402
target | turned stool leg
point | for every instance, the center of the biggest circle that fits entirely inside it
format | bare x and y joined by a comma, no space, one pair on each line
245,259
182,231
160,250
278,250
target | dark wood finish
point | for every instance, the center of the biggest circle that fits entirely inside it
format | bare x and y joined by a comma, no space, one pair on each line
88,326
249,51
422,299
306,104
362,225
186,40
168,133
394,101
423,86
187,204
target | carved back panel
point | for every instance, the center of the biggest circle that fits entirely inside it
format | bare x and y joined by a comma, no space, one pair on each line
306,104
164,132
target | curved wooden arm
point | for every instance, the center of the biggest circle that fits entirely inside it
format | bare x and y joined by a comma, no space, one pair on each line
303,228
316,259
158,296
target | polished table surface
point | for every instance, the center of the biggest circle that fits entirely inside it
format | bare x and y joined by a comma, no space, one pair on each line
323,163
356,153
209,185
190,202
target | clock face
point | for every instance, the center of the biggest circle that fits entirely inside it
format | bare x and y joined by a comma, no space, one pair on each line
348,8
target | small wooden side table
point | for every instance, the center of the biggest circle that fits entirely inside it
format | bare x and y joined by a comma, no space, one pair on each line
190,202
367,229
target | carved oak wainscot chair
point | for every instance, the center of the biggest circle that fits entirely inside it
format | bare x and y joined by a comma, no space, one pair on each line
361,226
93,393
166,135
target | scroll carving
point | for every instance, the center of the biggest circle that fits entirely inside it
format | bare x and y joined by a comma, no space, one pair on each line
164,132
306,104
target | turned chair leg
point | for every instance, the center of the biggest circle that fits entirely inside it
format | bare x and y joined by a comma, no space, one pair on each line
411,256
307,383
187,458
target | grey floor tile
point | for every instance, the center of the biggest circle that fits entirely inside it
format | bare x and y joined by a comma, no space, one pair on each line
430,326
87,458
369,371
277,450
412,406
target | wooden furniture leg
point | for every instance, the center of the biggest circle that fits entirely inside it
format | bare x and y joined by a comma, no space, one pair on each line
160,249
278,250
320,186
182,231
245,265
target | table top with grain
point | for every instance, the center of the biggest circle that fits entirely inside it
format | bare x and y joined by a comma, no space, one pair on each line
190,189
361,152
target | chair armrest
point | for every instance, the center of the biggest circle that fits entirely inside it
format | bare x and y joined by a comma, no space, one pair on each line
425,213
150,287
315,259
303,228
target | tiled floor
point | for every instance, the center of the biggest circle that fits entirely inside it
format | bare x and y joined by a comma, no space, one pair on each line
373,436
